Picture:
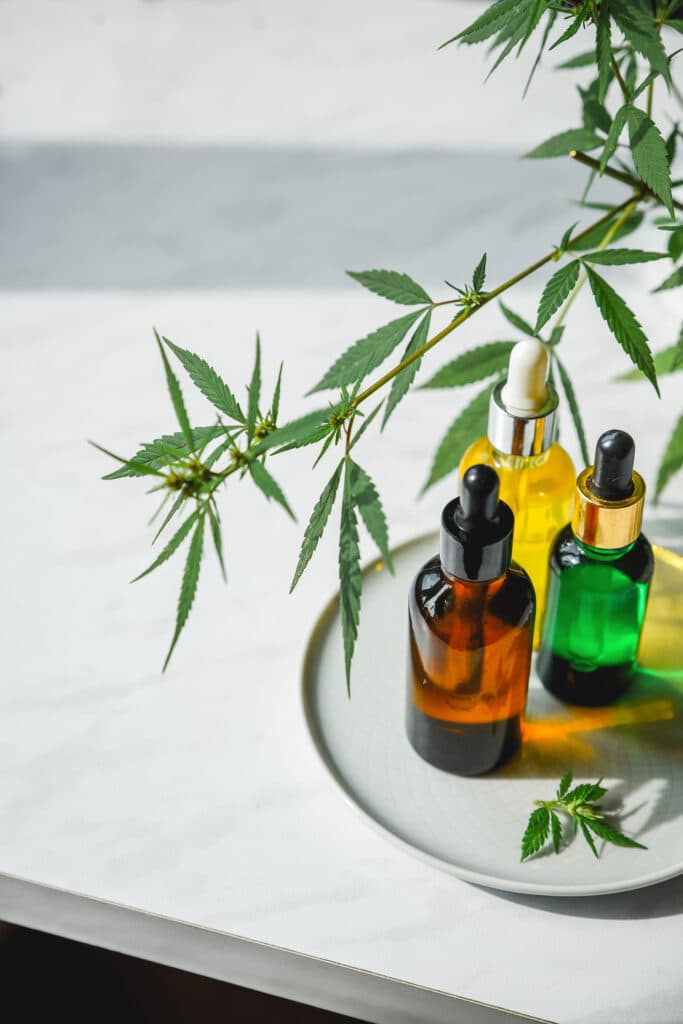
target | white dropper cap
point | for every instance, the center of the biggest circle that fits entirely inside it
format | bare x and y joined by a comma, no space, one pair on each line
525,393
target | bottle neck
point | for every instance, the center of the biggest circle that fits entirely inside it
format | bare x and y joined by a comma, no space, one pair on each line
515,462
602,554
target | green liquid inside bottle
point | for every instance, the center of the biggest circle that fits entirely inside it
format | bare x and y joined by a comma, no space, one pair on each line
594,615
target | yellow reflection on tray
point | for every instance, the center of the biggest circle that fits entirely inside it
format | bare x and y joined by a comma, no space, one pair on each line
661,644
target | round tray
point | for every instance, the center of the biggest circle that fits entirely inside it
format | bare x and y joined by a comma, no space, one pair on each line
472,827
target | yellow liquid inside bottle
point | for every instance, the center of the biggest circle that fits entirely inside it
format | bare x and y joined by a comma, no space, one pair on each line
539,489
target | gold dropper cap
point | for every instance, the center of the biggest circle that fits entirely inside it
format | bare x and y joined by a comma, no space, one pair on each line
608,507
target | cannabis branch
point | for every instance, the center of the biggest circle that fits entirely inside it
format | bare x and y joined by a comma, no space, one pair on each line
189,465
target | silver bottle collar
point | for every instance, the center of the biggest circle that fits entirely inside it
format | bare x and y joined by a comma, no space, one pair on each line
513,434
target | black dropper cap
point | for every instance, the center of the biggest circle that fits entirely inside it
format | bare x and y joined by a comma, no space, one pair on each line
476,529
612,476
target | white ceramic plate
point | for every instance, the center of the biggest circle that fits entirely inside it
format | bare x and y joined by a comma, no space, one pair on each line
472,827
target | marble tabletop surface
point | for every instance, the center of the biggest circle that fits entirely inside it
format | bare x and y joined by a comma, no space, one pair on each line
212,168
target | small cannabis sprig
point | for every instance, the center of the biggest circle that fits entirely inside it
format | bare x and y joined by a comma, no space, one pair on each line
578,805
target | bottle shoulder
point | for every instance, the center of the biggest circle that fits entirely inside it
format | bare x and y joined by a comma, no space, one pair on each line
436,596
636,562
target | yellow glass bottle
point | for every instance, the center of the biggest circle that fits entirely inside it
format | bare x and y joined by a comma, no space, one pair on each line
537,476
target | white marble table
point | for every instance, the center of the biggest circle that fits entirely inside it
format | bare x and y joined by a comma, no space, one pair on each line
212,168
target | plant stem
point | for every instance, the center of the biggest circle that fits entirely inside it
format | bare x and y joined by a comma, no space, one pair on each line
607,238
625,179
620,80
485,299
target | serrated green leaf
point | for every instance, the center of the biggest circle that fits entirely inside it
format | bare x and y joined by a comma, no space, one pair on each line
612,835
172,546
268,485
217,535
565,783
620,257
487,24
603,51
563,144
613,136
585,792
667,360
623,325
364,426
571,31
594,114
556,826
513,32
205,378
176,396
367,353
672,460
639,26
254,392
568,389
169,516
275,404
188,587
675,245
649,155
596,236
400,385
151,455
582,60
129,467
536,832
674,280
552,15
515,319
557,289
350,580
588,837
474,365
479,275
298,432
316,525
470,424
366,499
392,285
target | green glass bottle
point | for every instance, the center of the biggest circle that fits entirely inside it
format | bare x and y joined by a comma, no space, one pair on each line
601,566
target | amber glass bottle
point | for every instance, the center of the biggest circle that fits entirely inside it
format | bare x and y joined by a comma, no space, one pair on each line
471,621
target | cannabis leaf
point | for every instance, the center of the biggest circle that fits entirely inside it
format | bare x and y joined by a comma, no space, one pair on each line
640,29
603,51
623,325
366,499
667,360
268,485
298,433
487,24
672,460
392,285
650,156
613,135
211,385
317,524
156,454
349,573
620,257
479,275
556,291
515,319
188,587
254,392
470,424
568,389
475,364
674,280
400,385
172,546
176,397
579,807
367,353
216,533
563,144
